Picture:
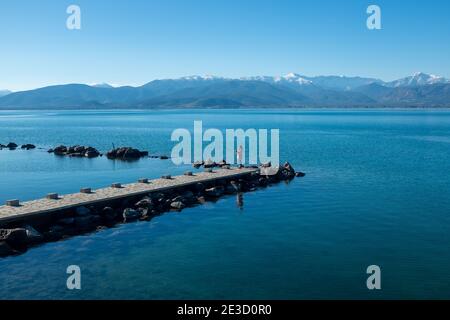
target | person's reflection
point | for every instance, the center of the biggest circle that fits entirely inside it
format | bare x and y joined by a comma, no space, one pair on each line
240,200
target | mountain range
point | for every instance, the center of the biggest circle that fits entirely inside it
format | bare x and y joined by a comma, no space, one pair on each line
291,90
4,93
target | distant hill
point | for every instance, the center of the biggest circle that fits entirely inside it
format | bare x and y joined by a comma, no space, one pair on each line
291,90
4,93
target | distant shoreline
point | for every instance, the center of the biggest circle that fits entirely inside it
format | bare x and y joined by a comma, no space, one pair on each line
362,108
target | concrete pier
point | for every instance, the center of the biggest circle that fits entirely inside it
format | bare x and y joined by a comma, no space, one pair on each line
15,211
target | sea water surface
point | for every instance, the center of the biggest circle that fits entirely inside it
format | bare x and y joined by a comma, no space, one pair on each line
376,192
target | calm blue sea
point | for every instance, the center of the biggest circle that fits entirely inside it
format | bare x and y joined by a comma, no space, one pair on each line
377,191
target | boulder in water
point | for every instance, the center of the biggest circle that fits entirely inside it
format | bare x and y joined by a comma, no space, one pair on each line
214,192
28,146
209,164
126,153
60,150
177,205
14,237
12,145
33,236
197,164
145,203
131,214
91,152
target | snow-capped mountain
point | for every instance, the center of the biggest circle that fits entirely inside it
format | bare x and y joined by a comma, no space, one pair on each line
102,85
418,79
290,90
291,78
326,82
201,78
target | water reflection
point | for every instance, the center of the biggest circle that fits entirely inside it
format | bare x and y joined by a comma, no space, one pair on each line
240,200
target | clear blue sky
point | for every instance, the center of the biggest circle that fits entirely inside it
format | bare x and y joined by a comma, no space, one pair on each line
133,42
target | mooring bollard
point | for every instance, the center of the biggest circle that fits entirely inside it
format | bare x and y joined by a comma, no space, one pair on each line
188,173
13,203
116,185
143,180
85,190
52,196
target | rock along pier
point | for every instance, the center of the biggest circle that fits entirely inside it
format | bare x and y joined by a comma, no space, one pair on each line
55,217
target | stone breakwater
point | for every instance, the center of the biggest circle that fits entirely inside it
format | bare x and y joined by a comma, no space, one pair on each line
20,232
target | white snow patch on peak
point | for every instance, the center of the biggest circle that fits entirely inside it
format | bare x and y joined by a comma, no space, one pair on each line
294,77
291,75
419,79
102,85
258,78
197,78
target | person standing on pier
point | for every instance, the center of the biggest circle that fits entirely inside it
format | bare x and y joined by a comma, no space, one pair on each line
239,155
